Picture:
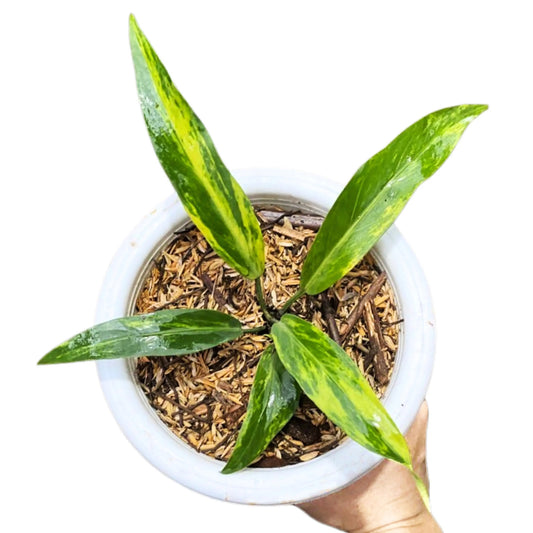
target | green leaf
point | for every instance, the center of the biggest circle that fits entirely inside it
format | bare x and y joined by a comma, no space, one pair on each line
273,400
377,193
209,193
168,332
332,380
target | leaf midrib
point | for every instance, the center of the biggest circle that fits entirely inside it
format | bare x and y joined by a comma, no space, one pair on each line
184,330
108,342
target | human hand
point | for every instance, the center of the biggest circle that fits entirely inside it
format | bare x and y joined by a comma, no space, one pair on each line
386,499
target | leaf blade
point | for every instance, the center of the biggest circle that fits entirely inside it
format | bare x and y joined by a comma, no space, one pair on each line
273,400
377,193
332,380
209,193
168,332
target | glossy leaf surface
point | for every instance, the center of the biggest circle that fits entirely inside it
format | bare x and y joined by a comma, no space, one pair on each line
209,193
168,332
273,400
377,193
332,380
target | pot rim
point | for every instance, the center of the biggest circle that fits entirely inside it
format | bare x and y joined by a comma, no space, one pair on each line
289,484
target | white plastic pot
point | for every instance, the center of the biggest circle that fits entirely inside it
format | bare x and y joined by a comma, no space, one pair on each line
288,484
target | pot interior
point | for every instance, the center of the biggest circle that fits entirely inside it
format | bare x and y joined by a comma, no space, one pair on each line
287,203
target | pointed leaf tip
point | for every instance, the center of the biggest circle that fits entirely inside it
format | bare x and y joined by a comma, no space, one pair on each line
421,487
327,374
169,332
273,400
378,192
132,22
209,193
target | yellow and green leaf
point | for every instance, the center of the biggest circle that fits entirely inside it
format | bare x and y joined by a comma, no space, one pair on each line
273,400
167,332
333,381
209,193
377,193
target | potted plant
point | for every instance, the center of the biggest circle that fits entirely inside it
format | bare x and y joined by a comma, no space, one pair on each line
300,358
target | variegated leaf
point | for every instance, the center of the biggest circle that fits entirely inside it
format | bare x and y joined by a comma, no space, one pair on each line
332,380
168,332
377,193
273,400
209,193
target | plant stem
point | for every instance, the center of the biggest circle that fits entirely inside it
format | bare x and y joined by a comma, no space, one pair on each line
355,315
258,329
291,300
329,315
261,298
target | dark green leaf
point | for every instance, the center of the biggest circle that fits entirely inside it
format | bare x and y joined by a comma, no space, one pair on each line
211,196
169,332
273,400
377,193
332,380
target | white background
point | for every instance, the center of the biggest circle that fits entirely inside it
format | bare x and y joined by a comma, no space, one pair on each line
316,86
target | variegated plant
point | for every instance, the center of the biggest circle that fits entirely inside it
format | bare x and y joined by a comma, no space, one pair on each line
301,357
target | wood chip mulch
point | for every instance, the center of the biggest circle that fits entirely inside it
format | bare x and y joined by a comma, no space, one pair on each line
203,397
